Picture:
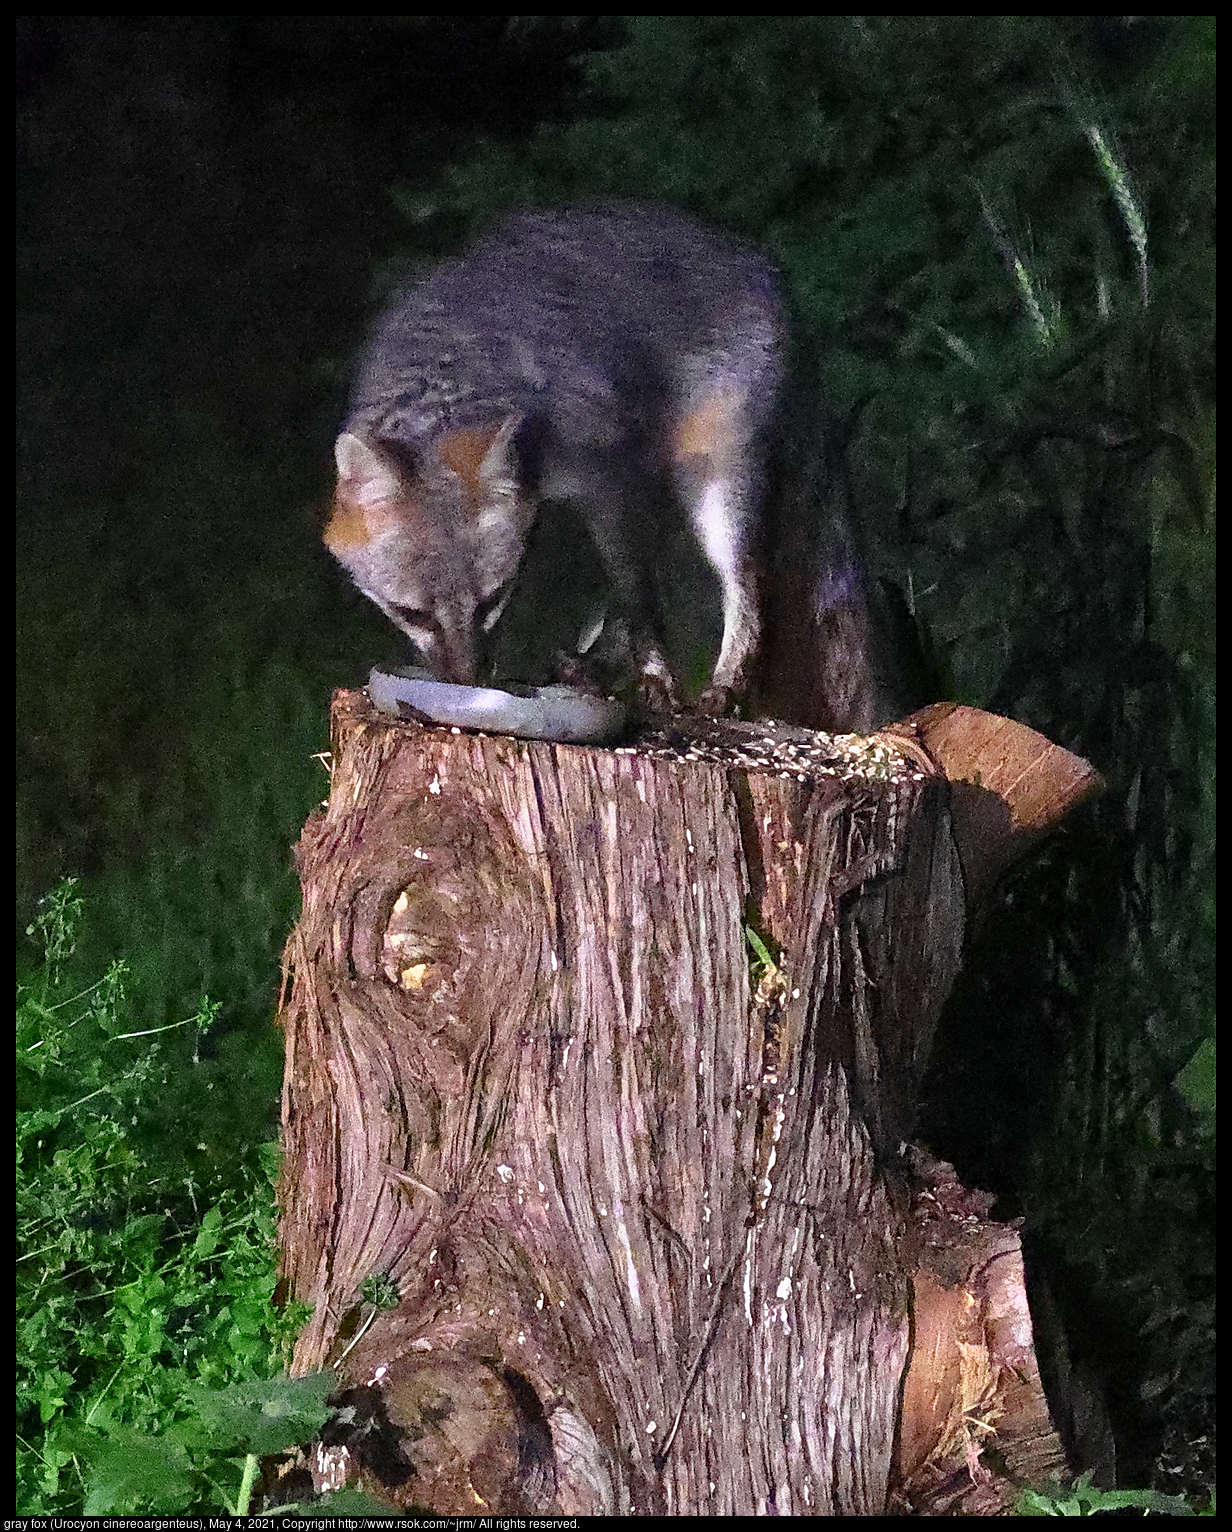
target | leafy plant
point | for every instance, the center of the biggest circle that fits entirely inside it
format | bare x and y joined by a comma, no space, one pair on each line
1081,1498
146,1335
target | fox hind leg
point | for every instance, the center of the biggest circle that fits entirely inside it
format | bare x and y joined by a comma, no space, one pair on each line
720,517
718,481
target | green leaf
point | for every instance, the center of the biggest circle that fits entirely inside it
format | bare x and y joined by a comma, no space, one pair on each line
208,1236
139,1473
1196,1082
265,1417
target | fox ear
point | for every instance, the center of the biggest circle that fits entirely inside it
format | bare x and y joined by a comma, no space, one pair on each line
479,454
366,477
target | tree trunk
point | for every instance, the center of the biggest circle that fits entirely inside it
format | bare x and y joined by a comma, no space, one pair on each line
641,1200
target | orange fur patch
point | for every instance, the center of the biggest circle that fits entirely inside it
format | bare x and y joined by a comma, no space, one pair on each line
710,430
347,527
463,451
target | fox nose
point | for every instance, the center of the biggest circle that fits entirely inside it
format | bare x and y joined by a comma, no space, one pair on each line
456,654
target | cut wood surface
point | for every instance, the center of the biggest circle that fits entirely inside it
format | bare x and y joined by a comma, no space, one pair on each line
644,1198
1009,786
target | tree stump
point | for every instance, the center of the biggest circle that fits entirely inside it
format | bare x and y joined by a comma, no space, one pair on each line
602,1064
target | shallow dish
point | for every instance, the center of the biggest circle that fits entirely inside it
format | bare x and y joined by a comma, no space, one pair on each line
560,713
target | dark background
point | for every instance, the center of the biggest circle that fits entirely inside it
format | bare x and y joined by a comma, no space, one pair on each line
1018,384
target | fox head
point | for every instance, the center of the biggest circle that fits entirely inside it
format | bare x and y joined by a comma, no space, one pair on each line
434,534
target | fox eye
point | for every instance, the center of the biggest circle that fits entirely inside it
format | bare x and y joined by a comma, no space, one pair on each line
407,461
414,618
421,627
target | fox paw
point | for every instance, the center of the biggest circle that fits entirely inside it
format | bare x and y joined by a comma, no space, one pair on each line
721,701
657,691
657,696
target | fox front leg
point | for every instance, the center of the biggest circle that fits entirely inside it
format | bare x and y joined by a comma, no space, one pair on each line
618,503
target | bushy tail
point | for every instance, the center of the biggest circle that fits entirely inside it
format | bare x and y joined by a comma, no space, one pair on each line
826,658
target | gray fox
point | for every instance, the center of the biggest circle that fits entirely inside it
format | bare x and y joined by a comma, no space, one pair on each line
620,358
